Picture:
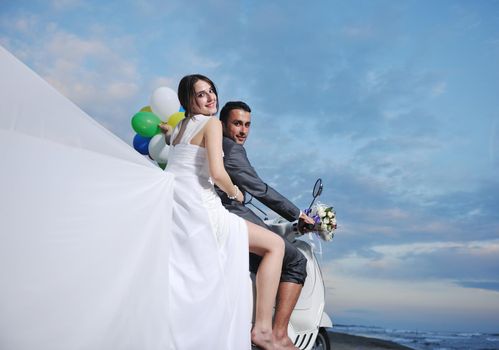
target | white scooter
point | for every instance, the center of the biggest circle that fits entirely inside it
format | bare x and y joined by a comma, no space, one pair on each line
308,323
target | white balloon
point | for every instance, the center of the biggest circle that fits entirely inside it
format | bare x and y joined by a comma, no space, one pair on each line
164,102
158,149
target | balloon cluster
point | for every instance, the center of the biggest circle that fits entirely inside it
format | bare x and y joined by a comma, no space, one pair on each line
149,140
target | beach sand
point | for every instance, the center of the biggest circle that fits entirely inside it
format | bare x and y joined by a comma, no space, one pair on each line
342,341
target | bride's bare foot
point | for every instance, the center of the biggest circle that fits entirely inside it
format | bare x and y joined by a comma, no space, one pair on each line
262,338
284,343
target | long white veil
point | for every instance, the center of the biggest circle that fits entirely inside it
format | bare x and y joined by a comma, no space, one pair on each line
84,225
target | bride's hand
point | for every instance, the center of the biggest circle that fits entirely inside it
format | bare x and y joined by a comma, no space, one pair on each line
165,128
237,196
240,197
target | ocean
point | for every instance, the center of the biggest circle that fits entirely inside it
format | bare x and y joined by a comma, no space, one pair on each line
421,340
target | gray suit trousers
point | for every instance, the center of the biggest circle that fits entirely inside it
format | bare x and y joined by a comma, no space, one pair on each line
294,264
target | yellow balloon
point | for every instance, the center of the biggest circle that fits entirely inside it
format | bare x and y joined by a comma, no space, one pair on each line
175,118
146,109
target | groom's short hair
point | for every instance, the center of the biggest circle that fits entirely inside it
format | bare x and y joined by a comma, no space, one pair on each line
229,106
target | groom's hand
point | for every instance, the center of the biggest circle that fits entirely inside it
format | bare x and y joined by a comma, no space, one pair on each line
307,219
305,223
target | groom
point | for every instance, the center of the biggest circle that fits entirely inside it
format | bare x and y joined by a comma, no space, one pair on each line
236,121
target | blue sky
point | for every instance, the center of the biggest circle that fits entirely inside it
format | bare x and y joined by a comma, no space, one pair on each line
394,104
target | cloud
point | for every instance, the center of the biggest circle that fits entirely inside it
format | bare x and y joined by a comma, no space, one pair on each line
463,262
432,305
494,144
65,4
91,73
438,89
98,73
486,285
25,24
475,208
397,160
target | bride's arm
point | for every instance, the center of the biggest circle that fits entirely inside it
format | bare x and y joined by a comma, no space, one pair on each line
213,143
167,130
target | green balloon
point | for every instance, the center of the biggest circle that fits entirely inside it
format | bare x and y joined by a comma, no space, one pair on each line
146,124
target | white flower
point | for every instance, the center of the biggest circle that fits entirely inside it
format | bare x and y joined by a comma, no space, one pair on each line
321,212
330,214
326,220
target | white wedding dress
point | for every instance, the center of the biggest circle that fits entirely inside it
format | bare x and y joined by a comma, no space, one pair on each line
210,302
90,231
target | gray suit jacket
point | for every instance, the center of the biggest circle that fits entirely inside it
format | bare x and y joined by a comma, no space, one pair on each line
245,177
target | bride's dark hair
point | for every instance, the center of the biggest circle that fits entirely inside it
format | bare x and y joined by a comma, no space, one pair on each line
186,91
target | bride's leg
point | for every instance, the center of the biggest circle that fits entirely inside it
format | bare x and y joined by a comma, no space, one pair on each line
271,248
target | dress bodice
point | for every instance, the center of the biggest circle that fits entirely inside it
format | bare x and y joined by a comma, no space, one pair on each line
185,158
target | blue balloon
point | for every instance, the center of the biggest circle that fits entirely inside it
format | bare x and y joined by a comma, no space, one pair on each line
141,144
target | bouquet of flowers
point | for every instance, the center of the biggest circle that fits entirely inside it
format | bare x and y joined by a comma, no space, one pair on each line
325,220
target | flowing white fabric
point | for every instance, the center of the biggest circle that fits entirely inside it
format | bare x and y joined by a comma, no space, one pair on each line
85,227
99,248
210,290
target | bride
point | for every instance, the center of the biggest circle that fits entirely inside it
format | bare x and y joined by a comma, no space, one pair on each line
209,279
